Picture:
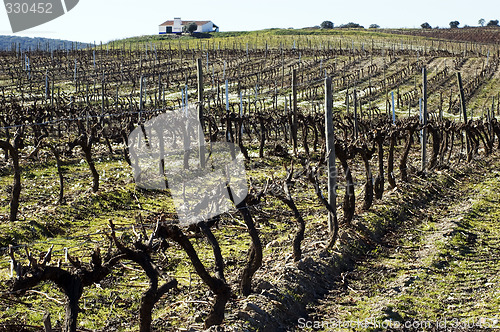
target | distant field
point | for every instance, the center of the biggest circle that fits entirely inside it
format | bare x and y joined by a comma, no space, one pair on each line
485,35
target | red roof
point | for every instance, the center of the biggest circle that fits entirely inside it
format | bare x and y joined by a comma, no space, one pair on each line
184,22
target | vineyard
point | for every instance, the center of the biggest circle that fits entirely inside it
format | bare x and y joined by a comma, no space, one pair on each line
467,34
335,132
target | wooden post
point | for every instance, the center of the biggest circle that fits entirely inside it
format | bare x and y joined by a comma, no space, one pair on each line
183,100
46,85
74,75
393,108
355,97
256,97
186,100
424,118
493,108
227,96
294,108
52,95
140,98
330,149
241,116
441,106
102,94
201,134
464,110
385,86
200,91
288,135
159,91
462,96
347,99
117,97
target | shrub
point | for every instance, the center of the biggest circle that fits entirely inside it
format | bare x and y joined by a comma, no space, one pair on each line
326,25
352,25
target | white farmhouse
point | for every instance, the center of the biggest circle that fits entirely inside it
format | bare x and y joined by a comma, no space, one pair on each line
177,25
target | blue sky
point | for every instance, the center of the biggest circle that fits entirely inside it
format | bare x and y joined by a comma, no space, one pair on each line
104,20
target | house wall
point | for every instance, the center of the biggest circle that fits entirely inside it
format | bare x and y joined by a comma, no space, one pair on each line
177,25
207,27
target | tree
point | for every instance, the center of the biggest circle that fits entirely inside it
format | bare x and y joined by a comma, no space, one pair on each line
454,24
326,25
352,25
191,27
492,23
374,26
481,22
425,26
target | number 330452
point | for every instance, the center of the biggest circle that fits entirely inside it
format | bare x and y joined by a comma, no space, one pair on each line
25,8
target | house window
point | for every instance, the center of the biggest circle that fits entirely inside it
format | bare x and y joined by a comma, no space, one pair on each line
169,29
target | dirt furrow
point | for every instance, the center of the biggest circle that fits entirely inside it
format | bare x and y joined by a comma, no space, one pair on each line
442,273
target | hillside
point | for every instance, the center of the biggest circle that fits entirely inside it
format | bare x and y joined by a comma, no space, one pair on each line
485,35
272,39
26,43
273,32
